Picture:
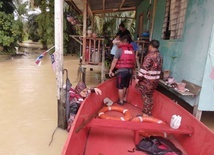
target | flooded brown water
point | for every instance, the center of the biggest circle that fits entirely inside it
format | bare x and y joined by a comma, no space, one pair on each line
28,106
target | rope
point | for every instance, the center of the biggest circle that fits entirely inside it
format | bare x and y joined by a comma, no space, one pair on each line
52,136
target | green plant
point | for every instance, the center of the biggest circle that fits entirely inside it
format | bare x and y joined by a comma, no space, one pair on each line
108,24
7,6
45,22
9,31
32,28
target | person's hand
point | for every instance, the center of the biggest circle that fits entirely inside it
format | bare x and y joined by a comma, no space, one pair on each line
111,74
98,91
137,57
136,80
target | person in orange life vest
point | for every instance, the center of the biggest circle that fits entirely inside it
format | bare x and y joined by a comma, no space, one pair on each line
124,61
149,75
76,97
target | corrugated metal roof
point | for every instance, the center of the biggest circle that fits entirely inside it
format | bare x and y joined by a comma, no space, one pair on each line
102,6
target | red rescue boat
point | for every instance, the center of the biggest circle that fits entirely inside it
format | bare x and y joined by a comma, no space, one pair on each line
92,135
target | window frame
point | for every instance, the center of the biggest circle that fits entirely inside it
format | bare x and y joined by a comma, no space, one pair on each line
174,19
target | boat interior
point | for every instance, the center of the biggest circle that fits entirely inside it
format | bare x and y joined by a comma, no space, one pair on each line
91,135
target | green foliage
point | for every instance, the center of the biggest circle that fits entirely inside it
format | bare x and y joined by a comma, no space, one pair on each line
70,45
32,28
9,31
7,6
108,25
22,9
45,22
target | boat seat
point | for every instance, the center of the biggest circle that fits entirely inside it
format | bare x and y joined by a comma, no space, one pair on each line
137,126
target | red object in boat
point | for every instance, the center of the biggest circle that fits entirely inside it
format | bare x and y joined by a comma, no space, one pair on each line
112,137
127,115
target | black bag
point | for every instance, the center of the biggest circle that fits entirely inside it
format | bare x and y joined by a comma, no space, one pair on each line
156,145
74,107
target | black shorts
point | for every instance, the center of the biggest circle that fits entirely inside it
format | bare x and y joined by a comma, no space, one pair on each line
123,79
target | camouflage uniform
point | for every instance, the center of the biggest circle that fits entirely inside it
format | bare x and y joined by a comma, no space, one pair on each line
148,76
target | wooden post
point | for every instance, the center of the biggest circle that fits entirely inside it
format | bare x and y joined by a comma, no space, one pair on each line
84,29
89,50
103,63
58,24
196,112
153,19
103,58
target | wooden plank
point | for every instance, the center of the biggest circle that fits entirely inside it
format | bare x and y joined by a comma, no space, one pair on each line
103,62
73,6
114,10
90,13
136,126
121,4
104,5
153,19
81,126
197,113
98,50
184,93
89,50
173,90
84,28
76,38
110,16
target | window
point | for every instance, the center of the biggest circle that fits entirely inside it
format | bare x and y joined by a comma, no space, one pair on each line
174,18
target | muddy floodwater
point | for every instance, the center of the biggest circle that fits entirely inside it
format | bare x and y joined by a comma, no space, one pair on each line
28,105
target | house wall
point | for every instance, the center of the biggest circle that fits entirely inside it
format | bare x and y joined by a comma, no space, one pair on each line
207,94
186,58
142,9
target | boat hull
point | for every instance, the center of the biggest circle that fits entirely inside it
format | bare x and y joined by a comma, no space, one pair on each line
91,136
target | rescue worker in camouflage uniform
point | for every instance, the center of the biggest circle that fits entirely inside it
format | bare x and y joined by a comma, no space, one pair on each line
149,75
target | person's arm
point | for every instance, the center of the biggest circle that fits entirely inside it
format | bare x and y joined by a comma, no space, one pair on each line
147,63
116,40
144,67
95,90
113,64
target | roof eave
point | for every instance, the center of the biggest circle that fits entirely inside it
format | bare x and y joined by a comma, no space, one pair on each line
113,10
